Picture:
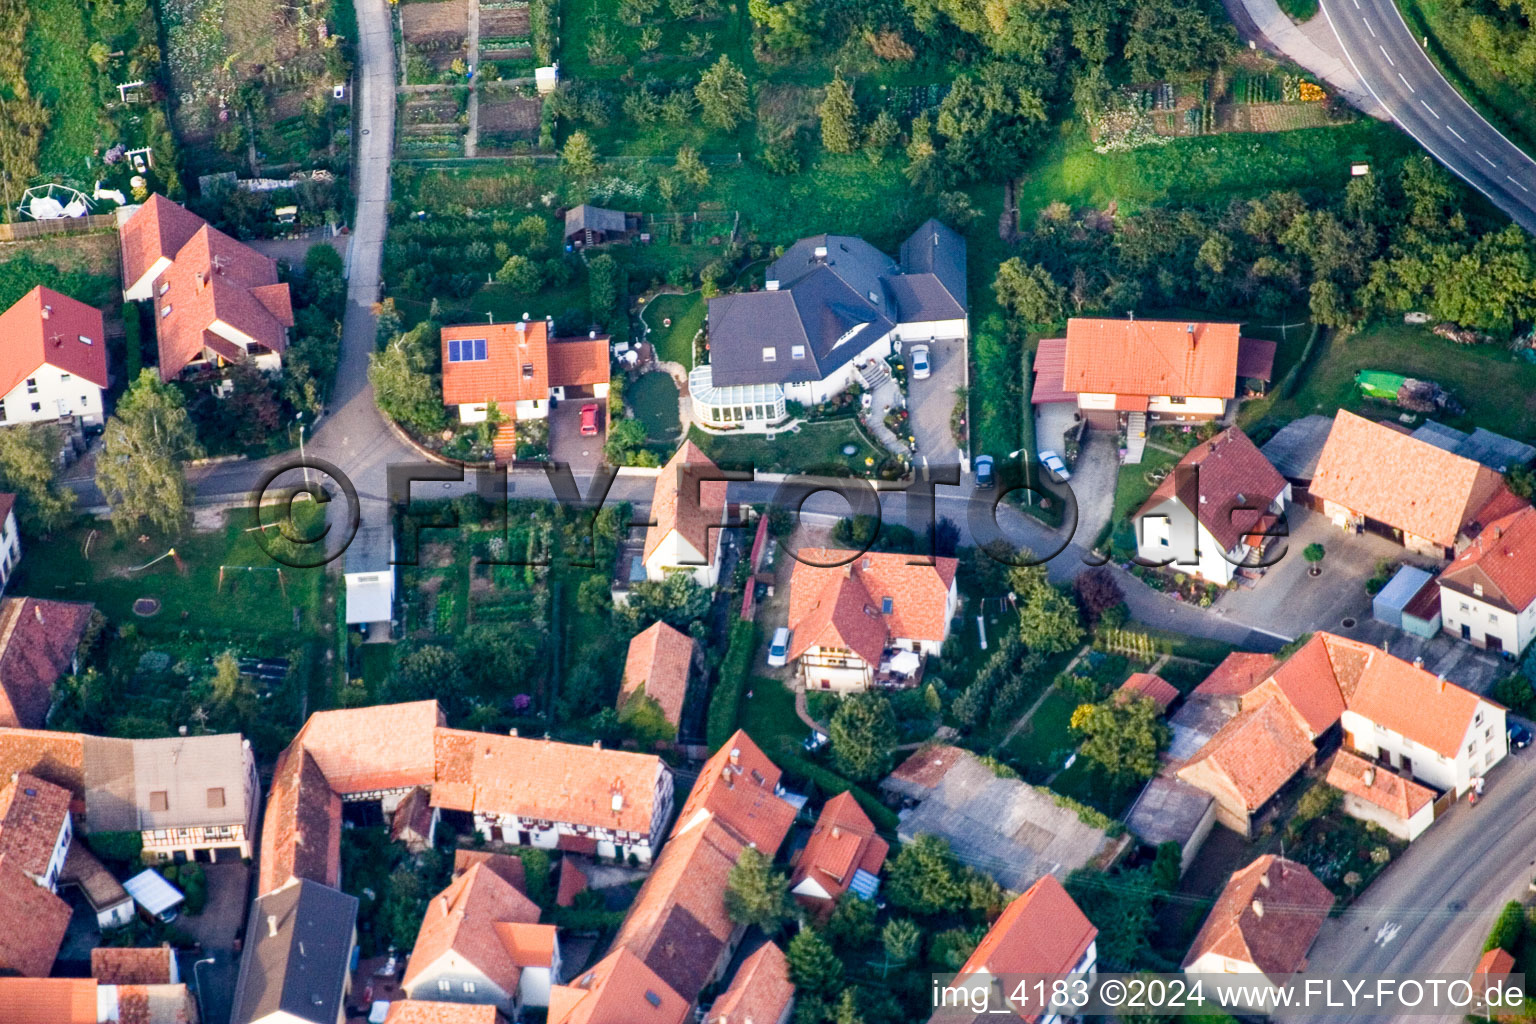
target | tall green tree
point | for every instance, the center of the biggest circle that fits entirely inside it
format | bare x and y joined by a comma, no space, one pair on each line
723,95
139,470
1049,621
29,468
578,157
1029,292
924,877
402,390
902,939
839,117
1122,736
863,734
602,286
755,894
883,133
813,968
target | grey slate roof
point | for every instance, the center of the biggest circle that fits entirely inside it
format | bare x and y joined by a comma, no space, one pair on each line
593,218
302,969
1497,452
1168,810
1295,449
817,300
932,285
369,551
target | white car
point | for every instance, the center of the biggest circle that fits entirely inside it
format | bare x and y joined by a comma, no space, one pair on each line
778,650
1052,461
921,368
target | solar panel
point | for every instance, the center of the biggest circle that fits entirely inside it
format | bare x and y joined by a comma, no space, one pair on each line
468,350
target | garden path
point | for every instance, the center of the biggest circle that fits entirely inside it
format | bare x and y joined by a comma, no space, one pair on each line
472,134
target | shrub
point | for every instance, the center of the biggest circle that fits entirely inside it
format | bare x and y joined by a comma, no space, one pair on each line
117,846
725,702
1514,692
1508,929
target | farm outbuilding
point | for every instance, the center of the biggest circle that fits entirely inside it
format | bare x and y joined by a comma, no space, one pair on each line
1401,603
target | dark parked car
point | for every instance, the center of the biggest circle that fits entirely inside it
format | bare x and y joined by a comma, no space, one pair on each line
984,477
1519,736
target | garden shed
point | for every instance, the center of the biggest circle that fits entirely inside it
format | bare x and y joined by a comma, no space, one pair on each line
370,578
1392,602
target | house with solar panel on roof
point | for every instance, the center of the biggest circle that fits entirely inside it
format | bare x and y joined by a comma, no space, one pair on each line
831,306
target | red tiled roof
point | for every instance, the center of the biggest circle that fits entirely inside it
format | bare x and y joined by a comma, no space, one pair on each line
658,662
389,746
1502,561
465,919
1495,962
119,966
619,989
301,832
1504,502
832,604
48,1001
1151,357
217,284
928,766
1309,684
508,866
44,326
736,786
843,841
32,814
545,780
1050,365
157,230
577,362
573,881
1391,792
57,757
32,923
1267,915
678,924
38,641
1154,687
1238,673
418,1011
760,992
1233,476
515,368
683,502
1257,752
1414,703
1392,478
1256,358
1041,932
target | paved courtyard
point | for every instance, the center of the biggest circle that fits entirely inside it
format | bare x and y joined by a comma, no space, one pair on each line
930,402
565,441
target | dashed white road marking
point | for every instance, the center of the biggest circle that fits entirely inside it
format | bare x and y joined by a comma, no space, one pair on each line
1490,163
1406,82
1522,187
1368,28
1455,133
1430,109
1387,55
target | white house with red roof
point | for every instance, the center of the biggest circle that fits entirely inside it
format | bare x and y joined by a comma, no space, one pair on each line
1210,515
519,367
842,853
867,619
1043,932
1488,594
53,359
216,299
1263,923
10,539
688,510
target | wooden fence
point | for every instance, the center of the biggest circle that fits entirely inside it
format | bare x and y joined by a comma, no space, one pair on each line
23,230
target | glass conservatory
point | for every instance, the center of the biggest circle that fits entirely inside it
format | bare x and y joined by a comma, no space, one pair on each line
733,406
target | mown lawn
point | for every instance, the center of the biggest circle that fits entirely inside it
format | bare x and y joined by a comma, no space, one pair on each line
817,448
1132,489
256,601
1498,389
1044,744
63,79
769,716
674,344
1204,168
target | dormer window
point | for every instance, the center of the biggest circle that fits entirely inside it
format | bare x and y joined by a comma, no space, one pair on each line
527,371
1477,590
770,354
886,605
165,286
165,311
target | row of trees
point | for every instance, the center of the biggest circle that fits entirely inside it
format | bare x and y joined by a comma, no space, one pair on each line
1400,240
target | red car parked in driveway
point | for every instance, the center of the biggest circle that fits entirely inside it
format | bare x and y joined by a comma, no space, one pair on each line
589,421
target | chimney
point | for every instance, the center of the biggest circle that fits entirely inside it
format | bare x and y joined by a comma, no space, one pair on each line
512,731
1258,908
47,312
37,612
597,744
1418,662
618,801
592,334
1369,778
522,326
730,779
444,901
837,833
1441,679
820,254
271,926
736,756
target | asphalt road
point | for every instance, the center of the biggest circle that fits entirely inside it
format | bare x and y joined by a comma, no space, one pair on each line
1429,912
1393,66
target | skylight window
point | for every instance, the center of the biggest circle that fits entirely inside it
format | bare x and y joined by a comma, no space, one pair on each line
797,352
469,350
770,354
